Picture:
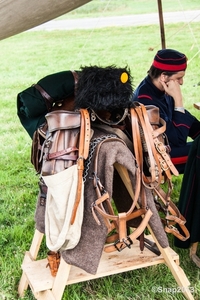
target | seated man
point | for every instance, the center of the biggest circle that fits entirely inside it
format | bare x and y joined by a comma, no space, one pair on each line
161,87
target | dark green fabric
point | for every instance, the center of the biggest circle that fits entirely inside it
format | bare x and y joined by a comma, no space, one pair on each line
189,200
31,107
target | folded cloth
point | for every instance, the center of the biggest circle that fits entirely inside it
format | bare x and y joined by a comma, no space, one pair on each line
31,106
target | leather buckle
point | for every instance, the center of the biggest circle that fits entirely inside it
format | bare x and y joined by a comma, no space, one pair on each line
122,245
160,148
163,165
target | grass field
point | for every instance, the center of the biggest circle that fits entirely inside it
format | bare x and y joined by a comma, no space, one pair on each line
27,57
97,8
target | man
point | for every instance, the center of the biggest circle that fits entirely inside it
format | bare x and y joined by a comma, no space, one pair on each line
161,87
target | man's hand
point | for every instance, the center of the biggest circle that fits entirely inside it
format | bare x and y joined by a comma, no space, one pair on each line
173,89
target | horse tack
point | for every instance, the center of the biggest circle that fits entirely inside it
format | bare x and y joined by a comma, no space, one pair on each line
119,222
160,164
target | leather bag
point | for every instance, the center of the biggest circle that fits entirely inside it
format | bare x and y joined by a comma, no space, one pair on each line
63,152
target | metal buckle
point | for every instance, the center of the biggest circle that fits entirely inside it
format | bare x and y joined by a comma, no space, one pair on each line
160,147
130,242
164,165
126,243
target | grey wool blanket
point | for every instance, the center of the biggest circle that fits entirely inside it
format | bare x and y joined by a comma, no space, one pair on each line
87,254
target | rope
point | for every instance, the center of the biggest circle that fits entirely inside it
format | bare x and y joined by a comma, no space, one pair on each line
187,24
191,31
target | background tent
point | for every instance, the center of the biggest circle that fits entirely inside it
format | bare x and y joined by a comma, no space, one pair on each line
20,15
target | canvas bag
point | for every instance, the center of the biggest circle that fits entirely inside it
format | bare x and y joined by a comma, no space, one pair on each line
61,195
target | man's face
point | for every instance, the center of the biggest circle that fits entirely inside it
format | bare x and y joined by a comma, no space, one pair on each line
177,77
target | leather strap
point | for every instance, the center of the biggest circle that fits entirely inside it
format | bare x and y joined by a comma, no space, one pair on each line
63,152
137,184
84,142
109,122
175,218
126,241
154,133
75,74
159,162
119,222
48,99
158,158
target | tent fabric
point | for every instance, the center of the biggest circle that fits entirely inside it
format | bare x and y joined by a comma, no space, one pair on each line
20,15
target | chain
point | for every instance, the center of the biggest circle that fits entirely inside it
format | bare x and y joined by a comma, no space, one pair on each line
93,145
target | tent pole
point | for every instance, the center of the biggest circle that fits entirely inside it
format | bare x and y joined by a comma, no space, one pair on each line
162,30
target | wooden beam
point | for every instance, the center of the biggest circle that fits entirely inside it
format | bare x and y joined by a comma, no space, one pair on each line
162,29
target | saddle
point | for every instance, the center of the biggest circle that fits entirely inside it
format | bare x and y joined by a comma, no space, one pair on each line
145,131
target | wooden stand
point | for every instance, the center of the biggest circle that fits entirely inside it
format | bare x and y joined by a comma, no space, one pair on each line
193,248
45,287
197,105
193,255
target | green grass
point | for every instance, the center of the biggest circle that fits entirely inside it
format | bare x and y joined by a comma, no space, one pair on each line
27,57
99,8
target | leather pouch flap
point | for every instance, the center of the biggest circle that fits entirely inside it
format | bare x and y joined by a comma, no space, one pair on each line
62,119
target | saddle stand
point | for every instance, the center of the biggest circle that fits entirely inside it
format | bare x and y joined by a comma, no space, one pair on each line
45,287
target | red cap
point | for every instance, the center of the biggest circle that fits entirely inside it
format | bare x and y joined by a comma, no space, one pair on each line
170,60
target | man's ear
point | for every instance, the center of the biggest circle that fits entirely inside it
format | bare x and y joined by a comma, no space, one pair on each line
163,77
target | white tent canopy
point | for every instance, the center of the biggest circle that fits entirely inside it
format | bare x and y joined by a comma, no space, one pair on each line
20,15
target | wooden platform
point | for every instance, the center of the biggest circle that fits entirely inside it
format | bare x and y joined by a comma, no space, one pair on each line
37,275
45,287
40,279
197,105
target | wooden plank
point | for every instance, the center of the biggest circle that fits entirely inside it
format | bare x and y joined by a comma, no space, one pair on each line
46,295
30,256
23,284
119,262
36,242
193,255
61,279
177,272
116,262
197,105
38,275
